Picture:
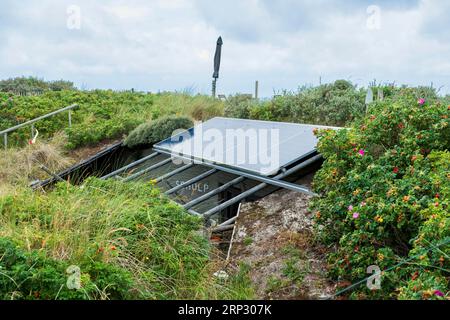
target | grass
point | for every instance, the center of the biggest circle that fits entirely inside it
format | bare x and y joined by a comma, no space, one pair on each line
248,241
275,284
131,227
292,271
198,107
19,166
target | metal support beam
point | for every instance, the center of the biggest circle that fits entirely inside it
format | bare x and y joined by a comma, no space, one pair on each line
190,182
54,175
174,172
252,176
223,228
228,222
131,165
194,213
146,170
208,214
70,118
213,192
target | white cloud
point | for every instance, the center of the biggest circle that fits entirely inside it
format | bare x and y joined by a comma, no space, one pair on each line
169,45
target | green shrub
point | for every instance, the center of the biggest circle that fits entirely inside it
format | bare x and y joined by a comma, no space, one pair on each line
31,275
384,192
101,115
238,106
330,104
154,131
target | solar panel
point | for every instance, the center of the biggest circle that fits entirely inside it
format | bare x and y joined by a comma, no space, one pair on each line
260,147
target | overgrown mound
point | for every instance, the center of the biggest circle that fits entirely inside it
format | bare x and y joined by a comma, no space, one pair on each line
384,198
127,240
152,132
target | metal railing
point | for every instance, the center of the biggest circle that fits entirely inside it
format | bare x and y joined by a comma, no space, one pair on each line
4,133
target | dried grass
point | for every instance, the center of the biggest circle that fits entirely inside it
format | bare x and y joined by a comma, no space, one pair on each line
20,166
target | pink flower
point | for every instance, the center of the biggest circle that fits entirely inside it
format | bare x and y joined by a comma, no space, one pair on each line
363,204
356,215
350,208
438,293
421,101
362,152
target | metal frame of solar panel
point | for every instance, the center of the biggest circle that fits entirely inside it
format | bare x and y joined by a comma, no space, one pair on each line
289,167
223,141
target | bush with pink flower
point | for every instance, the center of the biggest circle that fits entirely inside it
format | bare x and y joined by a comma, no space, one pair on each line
384,196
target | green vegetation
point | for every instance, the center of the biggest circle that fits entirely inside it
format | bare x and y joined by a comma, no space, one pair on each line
128,240
102,114
198,107
154,131
31,275
384,196
240,284
383,190
32,85
248,241
276,284
329,104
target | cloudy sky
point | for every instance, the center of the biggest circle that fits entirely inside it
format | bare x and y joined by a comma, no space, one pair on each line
156,45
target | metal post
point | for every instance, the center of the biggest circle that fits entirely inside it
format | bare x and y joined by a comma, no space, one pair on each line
214,83
131,165
5,139
70,118
142,172
32,131
174,172
30,122
232,234
213,193
190,182
256,89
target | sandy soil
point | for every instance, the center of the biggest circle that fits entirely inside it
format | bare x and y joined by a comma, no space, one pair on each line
274,237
